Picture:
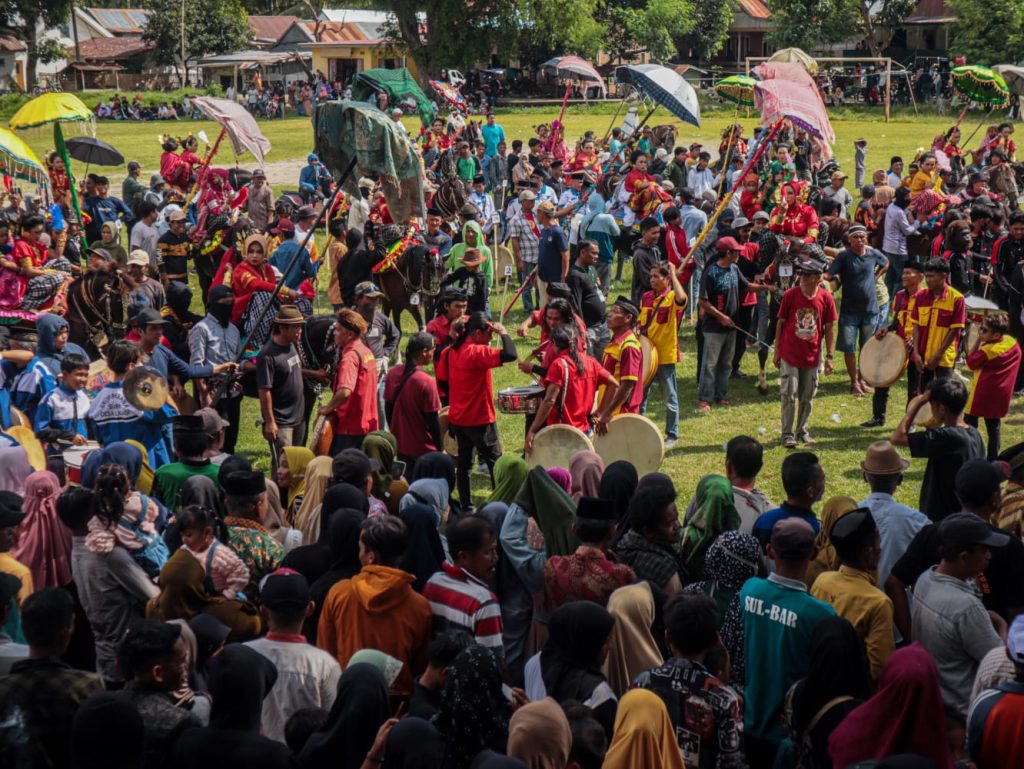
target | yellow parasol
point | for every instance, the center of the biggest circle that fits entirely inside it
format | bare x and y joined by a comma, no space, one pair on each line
797,56
18,160
51,108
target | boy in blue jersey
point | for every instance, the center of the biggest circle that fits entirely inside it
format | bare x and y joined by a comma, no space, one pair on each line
60,417
29,384
803,480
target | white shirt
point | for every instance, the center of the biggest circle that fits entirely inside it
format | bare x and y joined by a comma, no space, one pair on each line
701,181
307,677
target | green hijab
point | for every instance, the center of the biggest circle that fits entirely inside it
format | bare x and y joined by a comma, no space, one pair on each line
716,513
509,474
553,509
382,446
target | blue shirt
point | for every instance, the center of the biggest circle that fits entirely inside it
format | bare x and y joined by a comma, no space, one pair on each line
897,526
112,418
692,220
64,410
29,385
493,135
310,176
550,248
764,523
300,271
164,362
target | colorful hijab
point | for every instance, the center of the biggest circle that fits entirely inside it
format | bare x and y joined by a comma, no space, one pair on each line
382,446
317,477
644,737
473,715
715,513
632,649
298,458
539,735
45,544
509,473
827,559
385,663
585,470
561,476
553,509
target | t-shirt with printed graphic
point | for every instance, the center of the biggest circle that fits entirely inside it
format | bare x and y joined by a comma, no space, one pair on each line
805,318
723,288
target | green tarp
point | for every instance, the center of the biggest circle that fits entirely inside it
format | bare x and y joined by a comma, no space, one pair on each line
398,84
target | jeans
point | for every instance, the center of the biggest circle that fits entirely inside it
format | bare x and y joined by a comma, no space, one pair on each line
855,330
530,296
716,366
598,338
665,378
894,275
798,386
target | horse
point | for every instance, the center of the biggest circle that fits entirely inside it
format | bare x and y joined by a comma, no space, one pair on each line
418,273
472,133
239,177
664,136
95,313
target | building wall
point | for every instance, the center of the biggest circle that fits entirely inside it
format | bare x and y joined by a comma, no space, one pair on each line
351,59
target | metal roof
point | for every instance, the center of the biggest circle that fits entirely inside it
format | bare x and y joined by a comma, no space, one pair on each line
271,29
121,21
112,48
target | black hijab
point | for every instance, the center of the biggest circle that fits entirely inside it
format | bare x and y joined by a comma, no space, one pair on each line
356,267
360,708
95,745
423,553
343,550
210,633
618,484
220,312
311,561
837,666
337,497
413,744
437,464
570,662
473,715
201,490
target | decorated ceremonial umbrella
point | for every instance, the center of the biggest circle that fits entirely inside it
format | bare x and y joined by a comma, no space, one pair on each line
739,89
58,109
784,99
94,151
982,85
574,69
19,161
665,88
796,56
450,94
1012,76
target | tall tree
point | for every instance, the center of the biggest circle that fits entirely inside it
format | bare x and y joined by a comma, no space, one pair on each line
26,20
211,27
647,25
878,20
711,28
988,31
809,23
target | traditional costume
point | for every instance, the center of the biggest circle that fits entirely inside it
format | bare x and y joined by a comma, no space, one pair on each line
797,219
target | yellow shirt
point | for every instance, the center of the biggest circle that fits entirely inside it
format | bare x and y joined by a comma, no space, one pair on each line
854,595
920,182
935,317
663,328
11,565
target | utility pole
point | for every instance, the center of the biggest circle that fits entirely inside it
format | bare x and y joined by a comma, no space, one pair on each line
184,63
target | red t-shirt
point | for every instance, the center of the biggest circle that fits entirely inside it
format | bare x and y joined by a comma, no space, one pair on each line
357,371
419,396
576,401
470,393
624,359
750,252
440,327
800,344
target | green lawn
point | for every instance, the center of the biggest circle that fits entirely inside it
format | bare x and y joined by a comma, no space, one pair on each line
700,450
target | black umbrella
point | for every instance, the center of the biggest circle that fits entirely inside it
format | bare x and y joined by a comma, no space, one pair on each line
93,151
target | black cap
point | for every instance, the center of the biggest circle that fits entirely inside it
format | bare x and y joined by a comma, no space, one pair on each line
242,483
10,586
189,424
852,526
810,266
147,316
10,509
976,177
434,211
627,304
454,294
559,290
596,509
284,590
978,480
962,531
479,179
304,212
353,466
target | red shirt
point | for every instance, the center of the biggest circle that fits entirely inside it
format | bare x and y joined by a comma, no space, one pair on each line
676,247
800,343
357,371
468,373
995,368
750,252
576,401
440,327
417,397
624,359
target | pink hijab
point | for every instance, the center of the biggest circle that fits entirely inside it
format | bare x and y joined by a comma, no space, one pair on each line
586,469
561,476
45,546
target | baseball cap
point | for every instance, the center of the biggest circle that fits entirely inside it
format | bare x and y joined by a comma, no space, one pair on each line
10,509
740,221
527,195
761,215
147,316
284,227
546,207
259,172
156,179
978,479
138,256
792,539
728,244
353,466
839,175
1015,639
961,531
176,216
213,422
284,590
305,212
367,288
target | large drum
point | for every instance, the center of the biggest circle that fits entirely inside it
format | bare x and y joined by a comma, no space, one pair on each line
554,445
977,309
650,359
451,446
633,438
520,400
924,417
74,459
883,361
24,435
503,258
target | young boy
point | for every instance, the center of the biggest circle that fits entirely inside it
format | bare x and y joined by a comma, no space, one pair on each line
61,413
994,357
646,255
471,280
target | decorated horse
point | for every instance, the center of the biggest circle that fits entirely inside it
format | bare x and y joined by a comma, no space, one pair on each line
451,194
95,313
410,277
664,136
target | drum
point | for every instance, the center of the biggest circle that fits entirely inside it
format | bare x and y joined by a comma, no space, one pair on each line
451,446
74,460
18,418
28,440
554,445
503,258
650,359
883,361
924,417
520,400
977,308
633,438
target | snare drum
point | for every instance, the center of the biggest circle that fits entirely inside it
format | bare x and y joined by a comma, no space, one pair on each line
74,460
520,400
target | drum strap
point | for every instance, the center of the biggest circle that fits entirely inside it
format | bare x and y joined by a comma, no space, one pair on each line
650,318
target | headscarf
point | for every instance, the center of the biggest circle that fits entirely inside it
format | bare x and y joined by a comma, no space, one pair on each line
255,238
827,559
644,736
210,634
182,596
570,662
837,667
359,709
385,663
539,735
592,222
473,713
434,464
432,492
633,648
413,744
585,469
183,696
146,476
618,485
382,446
14,469
509,474
317,478
337,497
96,745
423,553
652,480
553,509
45,544
905,715
298,458
342,541
311,561
120,453
716,513
561,476
201,490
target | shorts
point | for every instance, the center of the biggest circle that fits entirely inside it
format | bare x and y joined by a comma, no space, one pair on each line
852,326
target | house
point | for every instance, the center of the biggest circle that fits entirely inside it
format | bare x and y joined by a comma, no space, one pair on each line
926,31
268,30
350,42
86,25
748,34
13,60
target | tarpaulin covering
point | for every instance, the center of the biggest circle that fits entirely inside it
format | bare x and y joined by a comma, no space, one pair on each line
398,84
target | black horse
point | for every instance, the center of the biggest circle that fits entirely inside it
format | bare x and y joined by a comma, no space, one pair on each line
95,312
418,274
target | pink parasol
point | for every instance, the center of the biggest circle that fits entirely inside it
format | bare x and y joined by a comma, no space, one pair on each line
785,99
574,68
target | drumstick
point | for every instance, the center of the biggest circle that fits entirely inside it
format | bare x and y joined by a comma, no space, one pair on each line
754,337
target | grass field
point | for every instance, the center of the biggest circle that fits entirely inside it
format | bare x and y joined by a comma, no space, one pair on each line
841,442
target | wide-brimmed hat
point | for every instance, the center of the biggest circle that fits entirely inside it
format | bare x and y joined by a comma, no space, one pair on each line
472,257
882,458
289,316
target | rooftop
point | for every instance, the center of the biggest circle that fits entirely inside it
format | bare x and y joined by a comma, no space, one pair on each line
112,48
121,21
270,29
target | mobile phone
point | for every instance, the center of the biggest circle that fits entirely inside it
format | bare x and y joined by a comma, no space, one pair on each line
506,690
397,468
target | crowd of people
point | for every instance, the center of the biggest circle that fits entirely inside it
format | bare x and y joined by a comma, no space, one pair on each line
359,606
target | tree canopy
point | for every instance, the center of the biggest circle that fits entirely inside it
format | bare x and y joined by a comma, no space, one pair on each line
20,18
211,27
989,31
810,23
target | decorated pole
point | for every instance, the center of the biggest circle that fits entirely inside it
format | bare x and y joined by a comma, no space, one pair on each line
728,149
526,282
205,167
62,150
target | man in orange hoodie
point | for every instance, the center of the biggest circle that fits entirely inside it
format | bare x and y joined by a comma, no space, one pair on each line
377,608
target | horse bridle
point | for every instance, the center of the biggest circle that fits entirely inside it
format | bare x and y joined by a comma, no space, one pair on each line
310,360
106,322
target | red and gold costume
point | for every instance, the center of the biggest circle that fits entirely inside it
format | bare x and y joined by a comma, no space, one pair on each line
247,280
797,220
995,368
750,200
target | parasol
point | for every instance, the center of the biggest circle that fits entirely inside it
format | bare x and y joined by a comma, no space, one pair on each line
784,99
450,94
1012,76
739,89
980,84
574,68
665,88
18,160
796,56
94,151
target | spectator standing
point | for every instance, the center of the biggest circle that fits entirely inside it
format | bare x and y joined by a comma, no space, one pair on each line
279,379
996,718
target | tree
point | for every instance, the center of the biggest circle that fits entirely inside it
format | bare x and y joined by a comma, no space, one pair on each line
988,31
25,20
648,25
879,20
711,28
211,27
811,23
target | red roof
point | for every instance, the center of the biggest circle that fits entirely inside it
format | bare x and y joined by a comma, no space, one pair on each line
755,9
341,32
11,44
112,48
271,28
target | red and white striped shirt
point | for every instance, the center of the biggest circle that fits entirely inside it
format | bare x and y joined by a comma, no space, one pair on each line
460,601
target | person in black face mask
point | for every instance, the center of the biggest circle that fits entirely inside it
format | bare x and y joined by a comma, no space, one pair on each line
215,339
180,319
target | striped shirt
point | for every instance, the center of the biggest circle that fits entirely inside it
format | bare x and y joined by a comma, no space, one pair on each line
64,410
460,601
